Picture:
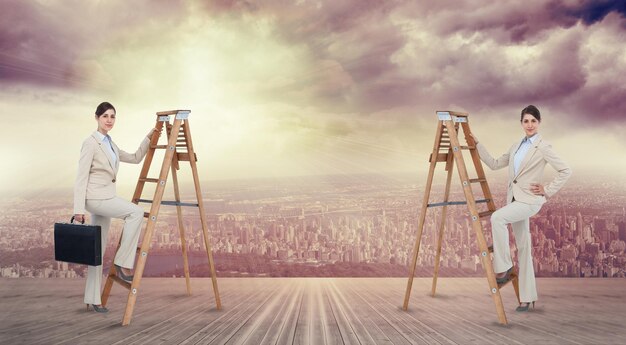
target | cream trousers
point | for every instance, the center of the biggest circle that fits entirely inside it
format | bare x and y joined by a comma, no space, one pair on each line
516,214
101,213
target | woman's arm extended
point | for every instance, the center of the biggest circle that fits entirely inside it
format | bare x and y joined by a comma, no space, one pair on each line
492,163
137,156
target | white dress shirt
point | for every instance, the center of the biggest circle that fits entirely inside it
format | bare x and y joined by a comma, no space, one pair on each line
526,144
108,145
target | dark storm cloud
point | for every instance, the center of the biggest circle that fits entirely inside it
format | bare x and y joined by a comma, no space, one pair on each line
363,56
364,37
589,11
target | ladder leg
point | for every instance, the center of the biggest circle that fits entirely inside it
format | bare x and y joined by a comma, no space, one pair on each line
154,211
141,264
420,225
443,221
203,220
476,224
181,229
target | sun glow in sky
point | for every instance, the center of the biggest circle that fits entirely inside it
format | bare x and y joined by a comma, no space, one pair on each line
280,88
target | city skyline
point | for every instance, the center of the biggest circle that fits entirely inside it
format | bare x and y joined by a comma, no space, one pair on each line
314,227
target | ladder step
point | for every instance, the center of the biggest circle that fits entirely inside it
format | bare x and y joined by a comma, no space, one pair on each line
121,282
441,157
474,180
468,147
170,203
447,203
490,249
147,179
165,146
485,214
512,277
146,214
184,156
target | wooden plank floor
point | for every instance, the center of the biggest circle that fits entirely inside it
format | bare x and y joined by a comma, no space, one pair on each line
314,311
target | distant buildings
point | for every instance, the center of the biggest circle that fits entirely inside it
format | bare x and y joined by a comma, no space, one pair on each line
576,234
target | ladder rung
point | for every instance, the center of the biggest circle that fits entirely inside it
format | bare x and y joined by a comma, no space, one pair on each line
485,214
490,249
444,141
146,214
512,276
447,203
165,146
468,147
184,156
474,180
441,157
147,179
170,203
121,282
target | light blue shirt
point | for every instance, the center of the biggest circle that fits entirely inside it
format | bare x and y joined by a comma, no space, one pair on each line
108,146
526,144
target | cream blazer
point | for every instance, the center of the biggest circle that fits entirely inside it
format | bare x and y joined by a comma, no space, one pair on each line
96,171
530,171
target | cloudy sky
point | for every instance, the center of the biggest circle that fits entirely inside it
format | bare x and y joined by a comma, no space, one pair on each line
284,88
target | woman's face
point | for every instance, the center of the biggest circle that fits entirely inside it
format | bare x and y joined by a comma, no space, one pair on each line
106,120
530,125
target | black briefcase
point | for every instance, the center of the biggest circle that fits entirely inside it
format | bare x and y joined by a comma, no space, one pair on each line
78,243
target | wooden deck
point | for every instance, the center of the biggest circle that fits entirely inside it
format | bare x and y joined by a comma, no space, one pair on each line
314,311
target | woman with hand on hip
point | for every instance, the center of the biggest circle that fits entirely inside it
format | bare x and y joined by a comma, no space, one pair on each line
526,161
94,191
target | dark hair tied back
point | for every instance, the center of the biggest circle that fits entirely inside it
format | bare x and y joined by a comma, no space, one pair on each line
532,110
102,107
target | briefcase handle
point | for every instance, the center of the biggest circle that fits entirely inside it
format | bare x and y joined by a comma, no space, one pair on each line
72,220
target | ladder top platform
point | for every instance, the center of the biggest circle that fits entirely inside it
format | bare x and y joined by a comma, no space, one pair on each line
452,116
453,113
171,112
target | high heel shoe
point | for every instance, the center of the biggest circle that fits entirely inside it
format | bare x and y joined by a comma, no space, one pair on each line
506,278
525,307
124,277
98,309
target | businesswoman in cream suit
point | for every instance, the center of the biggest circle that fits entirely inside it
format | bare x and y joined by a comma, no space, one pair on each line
526,161
94,191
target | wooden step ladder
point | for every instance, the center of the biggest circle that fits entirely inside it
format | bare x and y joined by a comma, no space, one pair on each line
179,148
448,149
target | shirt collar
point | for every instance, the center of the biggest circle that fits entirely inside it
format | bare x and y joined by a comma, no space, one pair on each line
531,139
102,137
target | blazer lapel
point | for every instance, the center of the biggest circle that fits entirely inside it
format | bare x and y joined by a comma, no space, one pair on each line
117,154
529,154
106,154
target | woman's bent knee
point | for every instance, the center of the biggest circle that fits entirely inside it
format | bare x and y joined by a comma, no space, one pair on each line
137,212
